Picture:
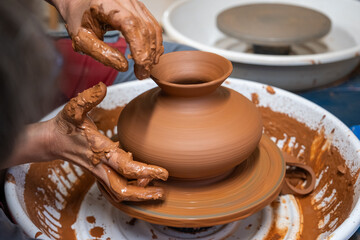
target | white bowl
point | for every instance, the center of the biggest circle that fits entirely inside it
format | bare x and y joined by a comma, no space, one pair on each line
114,221
193,22
157,7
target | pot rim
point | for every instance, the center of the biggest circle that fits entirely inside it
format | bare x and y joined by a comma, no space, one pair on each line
192,89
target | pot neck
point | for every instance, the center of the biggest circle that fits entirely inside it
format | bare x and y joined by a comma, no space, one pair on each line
188,87
190,73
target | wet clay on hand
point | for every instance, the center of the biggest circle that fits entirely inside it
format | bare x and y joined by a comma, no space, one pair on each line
77,139
87,22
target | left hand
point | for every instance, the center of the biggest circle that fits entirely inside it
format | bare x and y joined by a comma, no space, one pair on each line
74,137
88,20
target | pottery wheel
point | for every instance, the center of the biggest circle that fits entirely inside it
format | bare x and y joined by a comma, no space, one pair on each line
273,24
249,188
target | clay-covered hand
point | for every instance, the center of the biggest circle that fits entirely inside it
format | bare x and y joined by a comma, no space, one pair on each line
75,138
88,20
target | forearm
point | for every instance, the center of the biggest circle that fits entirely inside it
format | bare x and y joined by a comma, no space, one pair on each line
31,146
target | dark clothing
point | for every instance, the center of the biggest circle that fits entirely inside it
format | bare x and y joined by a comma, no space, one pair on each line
10,231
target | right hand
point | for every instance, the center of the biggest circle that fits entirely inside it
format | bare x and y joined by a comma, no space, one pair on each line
88,20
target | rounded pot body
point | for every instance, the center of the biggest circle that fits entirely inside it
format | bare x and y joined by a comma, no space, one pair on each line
190,125
193,138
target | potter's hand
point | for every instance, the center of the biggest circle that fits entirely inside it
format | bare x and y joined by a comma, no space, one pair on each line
88,20
76,139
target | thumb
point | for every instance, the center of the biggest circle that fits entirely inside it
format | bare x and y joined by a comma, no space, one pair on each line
76,109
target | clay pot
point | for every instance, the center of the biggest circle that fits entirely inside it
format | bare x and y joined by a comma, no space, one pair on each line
191,125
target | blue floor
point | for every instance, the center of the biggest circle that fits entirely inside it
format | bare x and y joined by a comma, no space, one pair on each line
343,100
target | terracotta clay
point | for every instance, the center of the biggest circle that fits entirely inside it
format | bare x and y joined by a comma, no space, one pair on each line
277,125
300,178
40,191
190,125
246,190
313,148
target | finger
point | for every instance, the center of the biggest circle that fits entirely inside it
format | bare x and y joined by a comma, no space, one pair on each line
131,24
118,189
143,182
105,183
87,42
149,27
99,144
139,47
123,163
106,151
76,109
158,33
106,190
137,35
142,71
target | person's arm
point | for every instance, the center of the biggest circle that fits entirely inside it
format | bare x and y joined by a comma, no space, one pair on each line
88,20
73,136
31,145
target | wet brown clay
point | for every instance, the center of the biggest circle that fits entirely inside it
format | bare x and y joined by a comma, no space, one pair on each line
297,174
247,189
188,125
276,125
312,147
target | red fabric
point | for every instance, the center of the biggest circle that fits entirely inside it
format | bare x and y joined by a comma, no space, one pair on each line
80,71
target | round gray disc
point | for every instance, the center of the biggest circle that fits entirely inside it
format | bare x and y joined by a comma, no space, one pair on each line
273,24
